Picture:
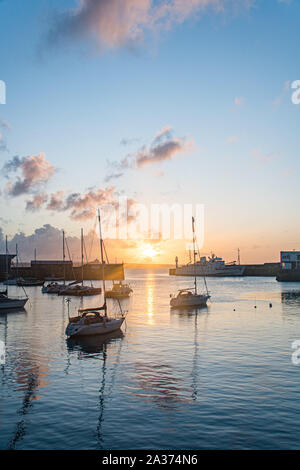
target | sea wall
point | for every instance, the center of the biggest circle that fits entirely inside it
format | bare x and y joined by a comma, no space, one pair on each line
113,272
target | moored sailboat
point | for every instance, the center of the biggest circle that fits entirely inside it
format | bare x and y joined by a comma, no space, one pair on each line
190,297
78,288
91,321
8,302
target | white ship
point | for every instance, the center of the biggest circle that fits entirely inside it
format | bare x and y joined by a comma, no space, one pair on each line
213,266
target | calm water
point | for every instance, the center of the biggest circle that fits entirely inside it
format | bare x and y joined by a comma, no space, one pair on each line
216,379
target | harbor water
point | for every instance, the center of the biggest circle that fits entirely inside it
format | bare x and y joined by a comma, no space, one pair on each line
217,378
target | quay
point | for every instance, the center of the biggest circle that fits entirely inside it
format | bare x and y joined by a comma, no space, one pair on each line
54,269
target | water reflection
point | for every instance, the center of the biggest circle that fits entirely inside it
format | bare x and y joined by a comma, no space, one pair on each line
166,369
150,301
98,346
90,345
160,384
29,372
291,297
32,382
193,314
189,311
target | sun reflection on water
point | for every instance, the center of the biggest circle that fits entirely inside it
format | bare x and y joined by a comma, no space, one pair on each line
150,302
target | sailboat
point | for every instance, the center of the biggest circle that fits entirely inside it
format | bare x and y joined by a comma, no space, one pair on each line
95,321
190,297
8,302
80,290
55,287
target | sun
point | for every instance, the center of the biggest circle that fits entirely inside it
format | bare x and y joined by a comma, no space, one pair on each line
147,251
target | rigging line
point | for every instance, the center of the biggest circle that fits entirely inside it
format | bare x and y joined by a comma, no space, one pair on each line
121,311
107,260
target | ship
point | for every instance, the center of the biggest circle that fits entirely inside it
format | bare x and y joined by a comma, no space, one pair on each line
212,266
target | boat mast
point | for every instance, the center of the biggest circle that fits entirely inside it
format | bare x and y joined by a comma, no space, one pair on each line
195,281
82,256
6,259
102,262
17,260
64,256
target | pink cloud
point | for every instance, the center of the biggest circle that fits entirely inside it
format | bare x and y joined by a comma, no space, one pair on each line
34,171
125,22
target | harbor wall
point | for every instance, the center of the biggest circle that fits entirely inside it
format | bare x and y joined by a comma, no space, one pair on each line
5,264
91,272
266,269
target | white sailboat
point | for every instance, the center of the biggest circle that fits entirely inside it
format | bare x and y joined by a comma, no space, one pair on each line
95,321
8,302
190,297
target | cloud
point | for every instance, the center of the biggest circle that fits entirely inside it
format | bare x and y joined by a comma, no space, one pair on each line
112,176
262,159
34,171
116,23
81,205
56,202
36,202
128,141
232,139
287,172
163,147
3,146
286,87
47,240
5,127
239,101
160,152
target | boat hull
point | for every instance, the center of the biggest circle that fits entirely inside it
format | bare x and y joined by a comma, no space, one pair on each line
12,303
81,292
192,301
30,284
74,329
115,295
190,270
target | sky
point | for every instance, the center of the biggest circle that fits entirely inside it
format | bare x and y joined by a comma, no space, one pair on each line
161,102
